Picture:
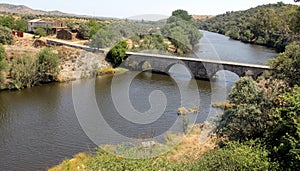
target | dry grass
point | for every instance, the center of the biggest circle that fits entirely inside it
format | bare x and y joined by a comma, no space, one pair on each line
77,163
189,150
193,147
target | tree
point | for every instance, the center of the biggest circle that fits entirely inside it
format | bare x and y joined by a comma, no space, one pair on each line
248,117
283,140
104,38
6,36
7,21
182,14
287,65
117,54
20,25
40,31
295,21
83,31
3,63
47,62
182,33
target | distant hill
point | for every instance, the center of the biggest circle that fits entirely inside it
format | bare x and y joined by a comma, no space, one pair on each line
148,17
22,9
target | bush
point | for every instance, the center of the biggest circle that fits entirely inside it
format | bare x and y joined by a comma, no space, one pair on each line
23,72
83,32
48,65
287,65
2,52
40,31
6,36
117,54
249,116
235,156
3,64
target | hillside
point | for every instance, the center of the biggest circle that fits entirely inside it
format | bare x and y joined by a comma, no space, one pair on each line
266,25
22,9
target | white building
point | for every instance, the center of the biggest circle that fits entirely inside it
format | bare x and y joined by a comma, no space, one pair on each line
32,24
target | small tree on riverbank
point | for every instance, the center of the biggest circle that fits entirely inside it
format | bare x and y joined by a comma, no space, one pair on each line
48,63
3,64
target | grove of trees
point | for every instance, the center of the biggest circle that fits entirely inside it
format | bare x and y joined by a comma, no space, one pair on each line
264,25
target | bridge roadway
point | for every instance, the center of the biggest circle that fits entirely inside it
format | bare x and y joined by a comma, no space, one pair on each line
199,68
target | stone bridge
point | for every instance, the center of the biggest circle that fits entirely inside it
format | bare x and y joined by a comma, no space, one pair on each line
199,68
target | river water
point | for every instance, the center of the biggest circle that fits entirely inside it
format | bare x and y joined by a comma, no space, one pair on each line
41,126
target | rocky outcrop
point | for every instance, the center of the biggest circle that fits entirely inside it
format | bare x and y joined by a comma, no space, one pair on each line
78,64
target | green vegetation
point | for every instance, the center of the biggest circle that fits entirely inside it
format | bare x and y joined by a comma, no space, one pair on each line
268,111
249,115
28,71
182,33
104,38
150,43
264,25
284,139
179,31
40,31
23,72
295,21
83,31
3,65
47,65
286,65
6,36
236,156
182,14
14,24
117,54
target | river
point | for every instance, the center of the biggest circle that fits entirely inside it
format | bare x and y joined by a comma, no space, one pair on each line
40,127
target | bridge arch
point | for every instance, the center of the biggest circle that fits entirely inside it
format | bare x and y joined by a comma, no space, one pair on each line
224,75
181,67
144,65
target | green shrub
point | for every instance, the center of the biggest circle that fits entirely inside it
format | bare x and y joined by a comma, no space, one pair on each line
235,156
287,65
2,52
3,64
117,54
40,31
248,118
23,72
48,65
83,31
6,36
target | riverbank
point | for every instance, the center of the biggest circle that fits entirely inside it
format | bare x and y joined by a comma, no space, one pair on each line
190,149
73,64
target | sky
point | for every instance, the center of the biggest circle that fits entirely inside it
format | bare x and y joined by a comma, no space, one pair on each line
129,8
